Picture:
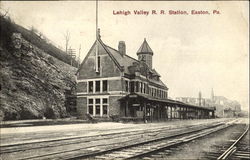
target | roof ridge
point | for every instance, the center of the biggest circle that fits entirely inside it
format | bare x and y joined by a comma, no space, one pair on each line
104,46
124,55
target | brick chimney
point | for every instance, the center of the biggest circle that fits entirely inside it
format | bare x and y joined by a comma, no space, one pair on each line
122,48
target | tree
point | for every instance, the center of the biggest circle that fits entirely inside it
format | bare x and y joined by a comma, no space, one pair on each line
67,38
4,13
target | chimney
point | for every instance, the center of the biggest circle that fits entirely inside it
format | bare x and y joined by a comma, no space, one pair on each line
122,48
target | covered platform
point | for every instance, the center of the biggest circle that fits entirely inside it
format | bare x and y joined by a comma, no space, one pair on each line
148,108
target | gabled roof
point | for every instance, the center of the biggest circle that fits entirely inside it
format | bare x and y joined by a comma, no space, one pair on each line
156,73
144,48
104,47
121,61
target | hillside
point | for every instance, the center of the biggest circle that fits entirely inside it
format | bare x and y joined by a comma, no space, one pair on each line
35,80
32,37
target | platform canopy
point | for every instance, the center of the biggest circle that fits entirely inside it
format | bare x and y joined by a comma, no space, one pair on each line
164,101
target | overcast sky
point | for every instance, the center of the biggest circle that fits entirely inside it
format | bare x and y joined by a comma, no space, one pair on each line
191,52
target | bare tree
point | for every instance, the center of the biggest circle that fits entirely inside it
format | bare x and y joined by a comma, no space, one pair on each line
67,38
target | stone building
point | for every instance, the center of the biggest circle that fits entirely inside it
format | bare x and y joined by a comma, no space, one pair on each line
111,83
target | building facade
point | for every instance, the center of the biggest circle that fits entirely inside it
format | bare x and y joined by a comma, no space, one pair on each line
111,83
224,107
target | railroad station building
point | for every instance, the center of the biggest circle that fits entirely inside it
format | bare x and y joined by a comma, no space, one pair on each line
110,83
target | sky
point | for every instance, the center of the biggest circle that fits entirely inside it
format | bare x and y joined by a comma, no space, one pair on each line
191,52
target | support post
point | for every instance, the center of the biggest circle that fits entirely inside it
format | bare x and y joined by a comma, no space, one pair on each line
126,108
144,112
158,112
171,116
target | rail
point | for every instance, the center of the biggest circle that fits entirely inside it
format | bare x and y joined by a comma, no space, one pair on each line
232,148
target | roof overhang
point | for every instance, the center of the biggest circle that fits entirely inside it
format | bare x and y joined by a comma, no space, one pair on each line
166,101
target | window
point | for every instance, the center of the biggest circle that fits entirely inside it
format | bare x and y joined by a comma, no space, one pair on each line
137,86
99,63
90,84
144,87
126,86
97,110
90,106
97,101
105,101
132,86
141,85
104,85
105,109
105,106
97,86
97,106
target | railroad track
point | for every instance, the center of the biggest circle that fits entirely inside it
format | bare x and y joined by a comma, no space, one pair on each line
235,147
143,149
239,149
79,148
10,148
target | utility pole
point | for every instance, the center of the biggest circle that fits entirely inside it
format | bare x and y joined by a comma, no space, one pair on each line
97,36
